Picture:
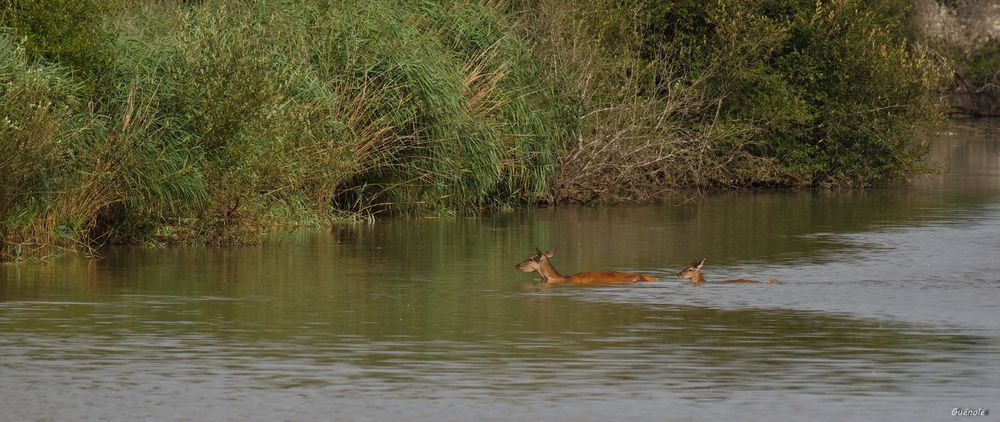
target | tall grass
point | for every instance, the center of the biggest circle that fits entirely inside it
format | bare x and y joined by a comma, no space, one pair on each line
40,114
217,120
74,176
221,119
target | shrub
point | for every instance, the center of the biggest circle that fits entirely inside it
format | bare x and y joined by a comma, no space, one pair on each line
834,87
641,125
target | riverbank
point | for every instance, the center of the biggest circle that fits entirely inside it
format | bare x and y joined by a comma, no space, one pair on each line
216,121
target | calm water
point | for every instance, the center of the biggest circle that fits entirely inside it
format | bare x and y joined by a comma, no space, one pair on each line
889,310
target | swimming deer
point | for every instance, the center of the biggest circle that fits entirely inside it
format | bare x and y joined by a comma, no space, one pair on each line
693,273
540,262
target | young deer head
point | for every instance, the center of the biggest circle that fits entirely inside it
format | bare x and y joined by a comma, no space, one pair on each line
693,272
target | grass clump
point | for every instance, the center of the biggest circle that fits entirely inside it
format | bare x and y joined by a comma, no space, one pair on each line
76,176
40,107
361,108
219,120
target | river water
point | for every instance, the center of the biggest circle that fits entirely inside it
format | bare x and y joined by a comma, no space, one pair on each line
889,309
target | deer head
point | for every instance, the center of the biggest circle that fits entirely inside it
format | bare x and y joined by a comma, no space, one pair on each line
536,261
693,271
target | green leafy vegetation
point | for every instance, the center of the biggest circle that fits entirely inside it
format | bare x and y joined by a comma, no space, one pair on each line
219,120
831,90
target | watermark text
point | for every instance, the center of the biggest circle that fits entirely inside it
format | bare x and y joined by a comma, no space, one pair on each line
964,411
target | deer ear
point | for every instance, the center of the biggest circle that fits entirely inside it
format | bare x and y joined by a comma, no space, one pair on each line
549,253
538,252
702,263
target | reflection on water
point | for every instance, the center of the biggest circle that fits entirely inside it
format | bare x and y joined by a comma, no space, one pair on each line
888,311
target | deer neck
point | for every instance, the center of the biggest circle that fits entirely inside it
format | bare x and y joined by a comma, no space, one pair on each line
698,277
549,273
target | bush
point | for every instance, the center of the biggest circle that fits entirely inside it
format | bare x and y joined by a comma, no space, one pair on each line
834,88
640,126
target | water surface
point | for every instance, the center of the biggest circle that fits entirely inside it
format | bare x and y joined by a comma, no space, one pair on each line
889,309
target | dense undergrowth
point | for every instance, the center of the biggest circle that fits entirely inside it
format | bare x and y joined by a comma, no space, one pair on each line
965,33
217,120
976,86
